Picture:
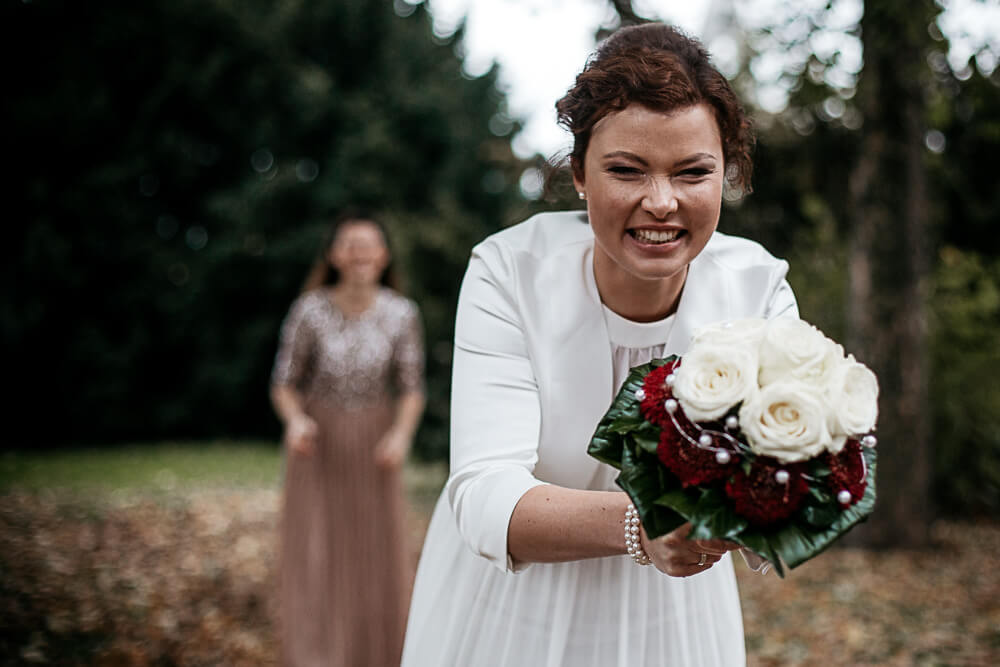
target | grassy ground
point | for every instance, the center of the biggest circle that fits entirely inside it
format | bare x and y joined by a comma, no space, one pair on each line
167,469
165,555
163,467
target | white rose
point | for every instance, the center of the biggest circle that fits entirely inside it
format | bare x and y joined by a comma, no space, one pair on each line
794,349
748,332
853,398
786,420
712,379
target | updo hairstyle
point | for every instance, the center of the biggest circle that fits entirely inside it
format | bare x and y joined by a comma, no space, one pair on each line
662,69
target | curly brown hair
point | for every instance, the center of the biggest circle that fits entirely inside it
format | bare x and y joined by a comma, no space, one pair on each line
659,67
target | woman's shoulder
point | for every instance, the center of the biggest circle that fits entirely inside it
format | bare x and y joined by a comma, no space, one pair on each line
397,304
737,252
541,235
309,301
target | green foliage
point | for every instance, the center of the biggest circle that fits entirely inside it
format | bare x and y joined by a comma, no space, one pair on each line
966,395
967,113
177,164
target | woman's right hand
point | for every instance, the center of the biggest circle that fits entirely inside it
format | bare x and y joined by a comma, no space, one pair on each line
676,555
300,435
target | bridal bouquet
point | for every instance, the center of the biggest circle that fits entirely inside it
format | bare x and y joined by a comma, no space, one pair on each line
760,434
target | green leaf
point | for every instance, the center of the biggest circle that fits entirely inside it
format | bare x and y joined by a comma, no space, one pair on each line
628,417
820,470
819,516
641,481
680,500
797,543
607,448
624,425
714,518
646,443
607,444
820,494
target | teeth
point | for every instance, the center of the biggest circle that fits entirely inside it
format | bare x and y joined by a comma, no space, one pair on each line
651,236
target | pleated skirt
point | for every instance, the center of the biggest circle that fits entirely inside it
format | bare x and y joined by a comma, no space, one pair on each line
601,612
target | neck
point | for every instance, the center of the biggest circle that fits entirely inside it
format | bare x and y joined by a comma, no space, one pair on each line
633,298
354,297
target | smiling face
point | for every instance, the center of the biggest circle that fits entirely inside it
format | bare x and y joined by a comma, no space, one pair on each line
359,253
653,182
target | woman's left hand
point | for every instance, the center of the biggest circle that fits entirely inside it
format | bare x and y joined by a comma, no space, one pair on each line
392,449
676,555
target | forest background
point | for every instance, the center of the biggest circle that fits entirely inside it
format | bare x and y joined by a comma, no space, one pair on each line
173,166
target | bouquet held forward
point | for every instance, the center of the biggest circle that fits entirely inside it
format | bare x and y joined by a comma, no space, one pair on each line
760,434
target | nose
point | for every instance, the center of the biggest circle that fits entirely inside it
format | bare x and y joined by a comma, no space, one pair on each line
660,199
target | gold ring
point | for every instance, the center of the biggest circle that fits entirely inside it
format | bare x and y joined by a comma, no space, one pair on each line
701,561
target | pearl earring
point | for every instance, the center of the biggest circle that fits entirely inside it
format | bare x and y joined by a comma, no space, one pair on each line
581,195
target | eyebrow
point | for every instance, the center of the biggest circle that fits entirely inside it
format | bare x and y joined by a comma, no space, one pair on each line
632,156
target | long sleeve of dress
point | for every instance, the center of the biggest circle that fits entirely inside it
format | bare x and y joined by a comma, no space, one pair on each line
495,411
292,362
408,354
782,303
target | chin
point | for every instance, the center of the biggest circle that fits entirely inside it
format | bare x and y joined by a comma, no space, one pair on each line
663,269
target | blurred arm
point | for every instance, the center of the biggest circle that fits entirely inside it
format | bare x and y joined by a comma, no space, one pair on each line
287,402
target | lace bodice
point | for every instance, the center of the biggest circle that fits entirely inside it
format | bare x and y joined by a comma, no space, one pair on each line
354,361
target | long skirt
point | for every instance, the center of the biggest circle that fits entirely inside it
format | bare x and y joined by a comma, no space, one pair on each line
344,561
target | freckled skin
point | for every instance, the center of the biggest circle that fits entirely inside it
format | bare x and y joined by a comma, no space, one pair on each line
651,170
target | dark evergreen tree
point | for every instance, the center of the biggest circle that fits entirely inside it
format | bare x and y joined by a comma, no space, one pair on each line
176,168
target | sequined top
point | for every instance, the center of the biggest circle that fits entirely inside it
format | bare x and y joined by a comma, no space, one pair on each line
353,360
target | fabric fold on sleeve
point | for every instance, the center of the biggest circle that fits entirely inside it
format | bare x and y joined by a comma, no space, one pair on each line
495,410
483,502
782,302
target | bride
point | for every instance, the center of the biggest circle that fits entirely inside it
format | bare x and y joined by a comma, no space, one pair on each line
525,561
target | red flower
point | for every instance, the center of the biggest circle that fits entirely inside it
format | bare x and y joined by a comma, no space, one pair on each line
691,464
847,472
761,498
656,393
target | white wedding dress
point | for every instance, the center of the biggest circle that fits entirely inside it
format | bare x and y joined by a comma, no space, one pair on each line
602,612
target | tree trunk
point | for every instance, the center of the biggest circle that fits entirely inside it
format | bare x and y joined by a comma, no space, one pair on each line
627,13
889,265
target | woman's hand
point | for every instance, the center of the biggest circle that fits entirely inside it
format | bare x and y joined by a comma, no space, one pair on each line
300,435
391,450
676,555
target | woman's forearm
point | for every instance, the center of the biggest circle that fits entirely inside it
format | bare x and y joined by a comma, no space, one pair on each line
287,403
554,524
409,408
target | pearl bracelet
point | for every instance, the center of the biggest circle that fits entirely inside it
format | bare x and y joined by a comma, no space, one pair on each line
633,543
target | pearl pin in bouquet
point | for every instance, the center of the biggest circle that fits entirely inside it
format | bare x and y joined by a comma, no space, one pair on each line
761,434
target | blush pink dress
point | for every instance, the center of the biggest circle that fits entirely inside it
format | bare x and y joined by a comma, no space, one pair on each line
344,570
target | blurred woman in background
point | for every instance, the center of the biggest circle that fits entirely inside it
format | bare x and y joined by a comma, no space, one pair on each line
348,386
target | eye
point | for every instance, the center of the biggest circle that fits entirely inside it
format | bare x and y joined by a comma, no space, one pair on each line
697,172
621,170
